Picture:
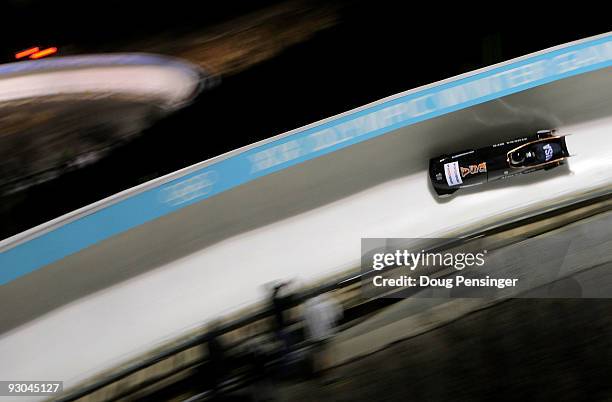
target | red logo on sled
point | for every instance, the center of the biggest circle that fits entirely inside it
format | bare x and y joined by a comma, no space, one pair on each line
473,169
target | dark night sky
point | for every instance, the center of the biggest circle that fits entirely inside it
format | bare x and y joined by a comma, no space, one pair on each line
376,50
95,23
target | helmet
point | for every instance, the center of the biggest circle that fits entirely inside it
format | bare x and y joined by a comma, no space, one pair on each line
517,157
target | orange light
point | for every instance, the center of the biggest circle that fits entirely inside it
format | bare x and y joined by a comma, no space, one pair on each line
43,53
27,52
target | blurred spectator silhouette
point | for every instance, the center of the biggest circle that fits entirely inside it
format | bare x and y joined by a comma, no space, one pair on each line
321,316
258,351
216,368
281,301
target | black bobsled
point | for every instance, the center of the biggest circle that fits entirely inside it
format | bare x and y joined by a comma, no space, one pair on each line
545,150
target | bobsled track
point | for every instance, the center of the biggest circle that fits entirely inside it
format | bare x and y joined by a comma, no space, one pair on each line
104,284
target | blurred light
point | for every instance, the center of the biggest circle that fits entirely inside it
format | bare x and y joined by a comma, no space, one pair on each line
27,52
44,53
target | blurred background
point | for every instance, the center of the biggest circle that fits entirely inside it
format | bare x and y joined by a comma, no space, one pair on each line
265,55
